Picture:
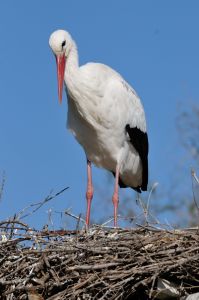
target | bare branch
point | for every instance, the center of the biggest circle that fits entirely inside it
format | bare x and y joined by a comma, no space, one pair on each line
38,205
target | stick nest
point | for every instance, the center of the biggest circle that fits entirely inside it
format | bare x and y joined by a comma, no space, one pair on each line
101,263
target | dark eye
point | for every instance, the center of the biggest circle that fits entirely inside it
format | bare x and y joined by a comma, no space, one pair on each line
63,44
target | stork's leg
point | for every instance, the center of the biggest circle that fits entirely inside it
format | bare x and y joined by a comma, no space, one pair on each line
89,192
115,197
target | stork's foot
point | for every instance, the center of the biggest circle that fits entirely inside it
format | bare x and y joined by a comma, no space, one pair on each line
115,200
89,192
89,197
115,197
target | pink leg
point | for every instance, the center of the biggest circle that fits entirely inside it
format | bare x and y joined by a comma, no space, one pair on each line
89,192
115,197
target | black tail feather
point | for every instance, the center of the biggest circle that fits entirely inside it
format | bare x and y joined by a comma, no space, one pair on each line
122,185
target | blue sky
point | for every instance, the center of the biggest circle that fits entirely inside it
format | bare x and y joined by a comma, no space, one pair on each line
153,44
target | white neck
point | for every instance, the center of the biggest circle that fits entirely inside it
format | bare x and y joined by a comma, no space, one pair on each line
72,68
76,85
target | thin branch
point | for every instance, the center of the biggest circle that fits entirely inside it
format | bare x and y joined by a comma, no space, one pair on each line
2,184
78,218
149,197
38,205
193,175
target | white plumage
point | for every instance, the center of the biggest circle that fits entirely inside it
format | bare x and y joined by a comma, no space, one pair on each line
105,115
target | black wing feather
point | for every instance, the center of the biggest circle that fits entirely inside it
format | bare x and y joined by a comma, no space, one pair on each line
139,140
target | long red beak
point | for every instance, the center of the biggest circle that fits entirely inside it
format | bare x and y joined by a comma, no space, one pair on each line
61,62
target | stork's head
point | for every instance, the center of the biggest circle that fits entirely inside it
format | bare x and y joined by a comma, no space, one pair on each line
61,43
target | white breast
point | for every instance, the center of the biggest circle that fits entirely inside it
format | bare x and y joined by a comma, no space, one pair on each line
98,119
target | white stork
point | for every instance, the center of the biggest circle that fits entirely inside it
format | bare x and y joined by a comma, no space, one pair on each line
106,117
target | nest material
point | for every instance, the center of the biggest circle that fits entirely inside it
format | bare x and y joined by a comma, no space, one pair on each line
98,264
